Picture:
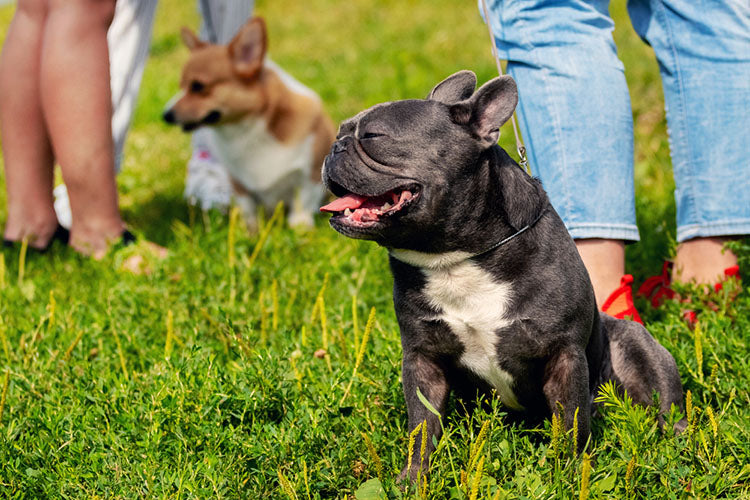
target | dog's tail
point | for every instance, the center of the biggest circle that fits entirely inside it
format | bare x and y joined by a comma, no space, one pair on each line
641,366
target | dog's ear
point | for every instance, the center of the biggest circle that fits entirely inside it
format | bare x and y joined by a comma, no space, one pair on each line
248,48
457,87
490,107
190,39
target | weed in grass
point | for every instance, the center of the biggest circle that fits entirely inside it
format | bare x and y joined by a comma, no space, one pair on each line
6,383
374,457
585,476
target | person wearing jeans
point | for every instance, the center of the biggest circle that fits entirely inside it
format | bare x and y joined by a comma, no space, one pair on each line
574,113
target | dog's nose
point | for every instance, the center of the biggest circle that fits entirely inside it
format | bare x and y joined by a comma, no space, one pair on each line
338,147
168,116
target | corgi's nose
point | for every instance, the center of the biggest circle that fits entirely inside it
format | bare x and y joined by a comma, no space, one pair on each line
169,117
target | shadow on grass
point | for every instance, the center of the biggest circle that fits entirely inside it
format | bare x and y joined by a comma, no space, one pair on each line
155,218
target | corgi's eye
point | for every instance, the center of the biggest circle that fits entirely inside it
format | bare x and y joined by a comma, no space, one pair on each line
197,87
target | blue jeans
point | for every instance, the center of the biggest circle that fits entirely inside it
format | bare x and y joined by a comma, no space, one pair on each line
575,109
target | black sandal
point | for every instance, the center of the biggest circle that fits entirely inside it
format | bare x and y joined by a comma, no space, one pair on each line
126,239
61,234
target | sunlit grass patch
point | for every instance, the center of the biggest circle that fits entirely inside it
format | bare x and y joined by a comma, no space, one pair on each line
254,366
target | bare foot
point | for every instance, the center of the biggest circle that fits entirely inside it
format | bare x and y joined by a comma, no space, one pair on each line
702,260
605,262
39,233
137,257
95,235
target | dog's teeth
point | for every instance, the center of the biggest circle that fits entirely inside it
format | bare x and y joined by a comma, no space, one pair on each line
347,212
387,206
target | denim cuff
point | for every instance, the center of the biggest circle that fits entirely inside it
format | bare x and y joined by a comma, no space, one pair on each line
626,232
740,227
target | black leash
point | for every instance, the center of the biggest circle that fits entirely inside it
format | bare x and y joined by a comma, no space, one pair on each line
524,162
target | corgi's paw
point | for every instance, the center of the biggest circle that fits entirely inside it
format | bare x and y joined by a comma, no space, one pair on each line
251,224
301,220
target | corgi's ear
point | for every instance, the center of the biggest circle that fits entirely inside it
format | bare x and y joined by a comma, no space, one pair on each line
248,48
190,39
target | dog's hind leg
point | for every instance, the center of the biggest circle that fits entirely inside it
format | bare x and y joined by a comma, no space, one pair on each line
247,207
642,366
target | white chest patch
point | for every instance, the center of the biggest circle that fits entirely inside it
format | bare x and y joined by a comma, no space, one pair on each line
474,305
257,159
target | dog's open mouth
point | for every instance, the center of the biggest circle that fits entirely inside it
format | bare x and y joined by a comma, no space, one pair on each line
211,118
366,211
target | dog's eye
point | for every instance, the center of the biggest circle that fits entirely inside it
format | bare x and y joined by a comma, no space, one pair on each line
371,135
197,87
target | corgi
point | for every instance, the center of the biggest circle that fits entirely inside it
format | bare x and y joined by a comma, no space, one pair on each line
271,131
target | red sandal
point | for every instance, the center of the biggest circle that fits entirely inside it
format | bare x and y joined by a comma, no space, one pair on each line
657,288
730,273
619,304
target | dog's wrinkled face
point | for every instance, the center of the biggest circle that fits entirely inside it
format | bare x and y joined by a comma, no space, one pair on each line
401,169
220,83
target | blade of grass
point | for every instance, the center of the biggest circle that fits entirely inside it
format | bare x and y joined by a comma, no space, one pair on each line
6,383
120,353
73,345
2,271
360,353
277,213
170,335
22,259
4,339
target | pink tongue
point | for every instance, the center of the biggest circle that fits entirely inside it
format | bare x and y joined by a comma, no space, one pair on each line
350,201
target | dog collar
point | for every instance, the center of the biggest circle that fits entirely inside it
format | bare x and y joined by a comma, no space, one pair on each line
514,235
445,260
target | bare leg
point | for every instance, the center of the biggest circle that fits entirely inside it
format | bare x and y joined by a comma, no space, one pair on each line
702,260
605,262
76,100
27,151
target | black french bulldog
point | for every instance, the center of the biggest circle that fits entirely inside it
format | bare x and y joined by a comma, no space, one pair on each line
489,289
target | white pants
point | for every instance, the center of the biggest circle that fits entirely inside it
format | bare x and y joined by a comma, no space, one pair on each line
129,39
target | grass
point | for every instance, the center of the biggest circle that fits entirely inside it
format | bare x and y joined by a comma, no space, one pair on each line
206,377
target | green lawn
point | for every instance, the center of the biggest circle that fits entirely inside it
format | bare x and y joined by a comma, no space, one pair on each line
200,380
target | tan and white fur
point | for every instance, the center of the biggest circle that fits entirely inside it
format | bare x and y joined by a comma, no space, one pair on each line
272,133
